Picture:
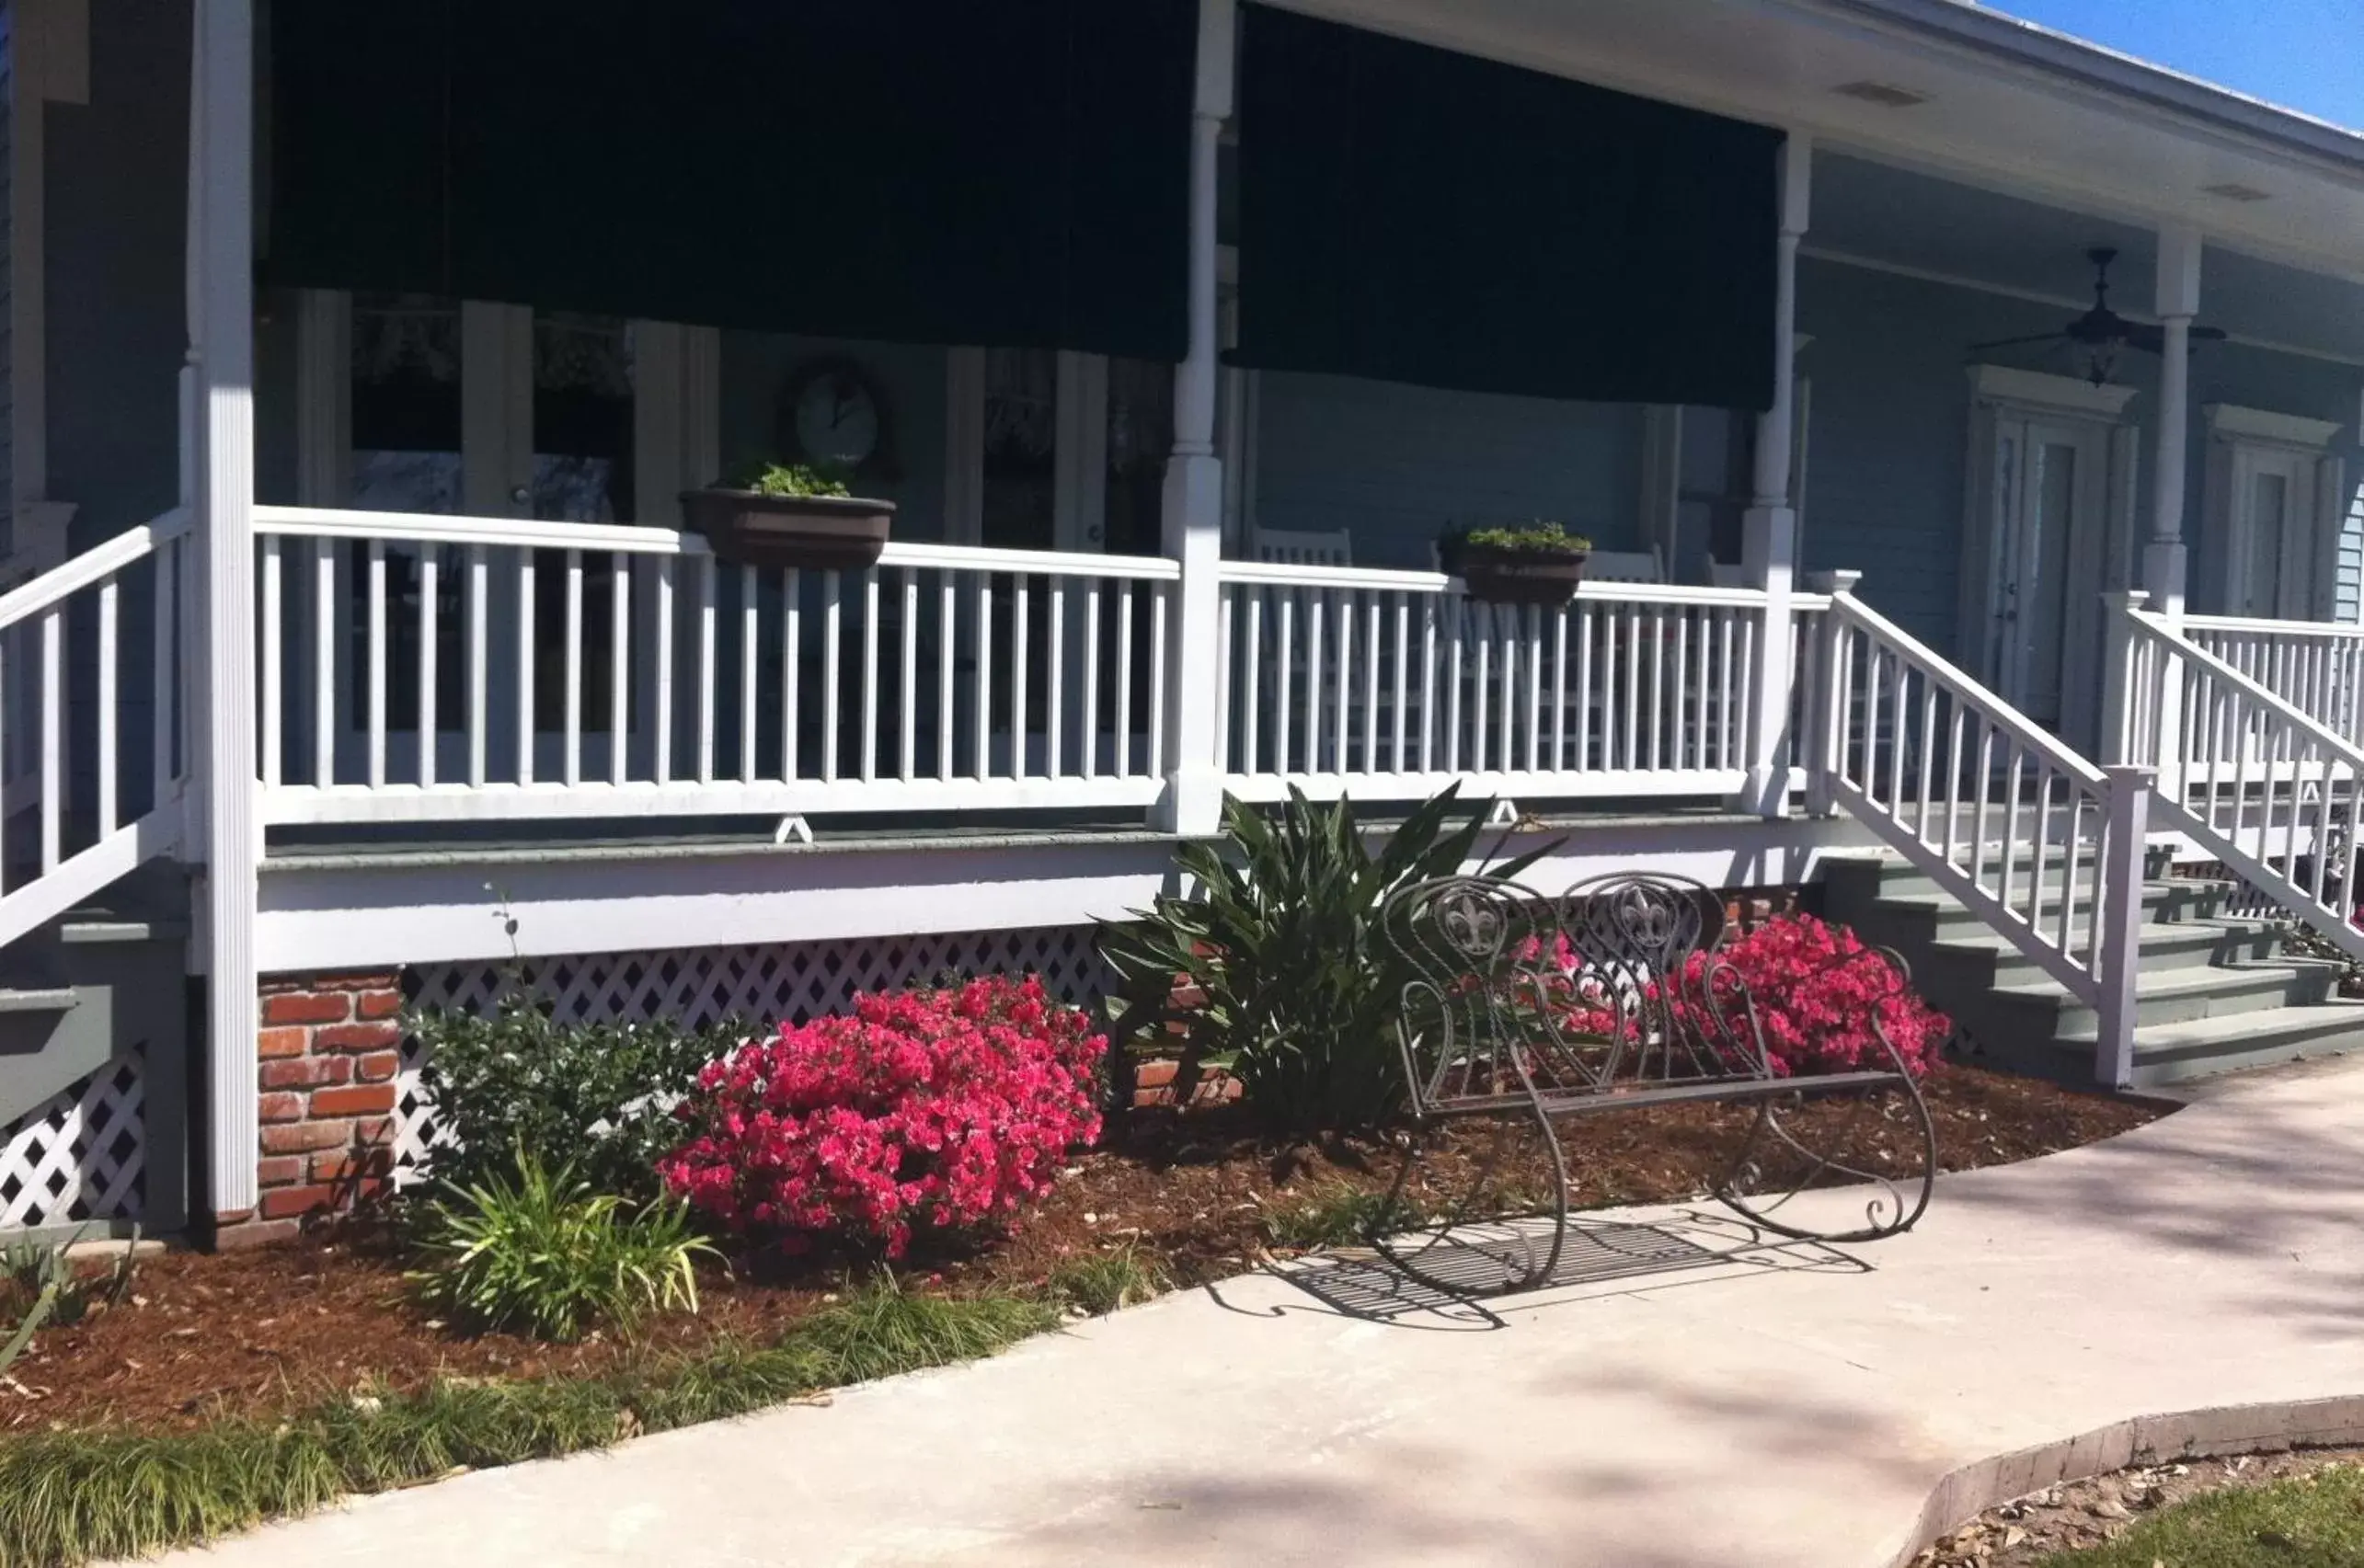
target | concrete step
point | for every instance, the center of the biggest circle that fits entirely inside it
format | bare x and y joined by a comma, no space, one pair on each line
2049,1010
2215,992
2199,1048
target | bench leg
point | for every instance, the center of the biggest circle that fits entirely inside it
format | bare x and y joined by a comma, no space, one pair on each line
1881,1138
1435,1250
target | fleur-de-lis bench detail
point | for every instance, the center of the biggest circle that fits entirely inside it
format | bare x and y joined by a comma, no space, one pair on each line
1525,1010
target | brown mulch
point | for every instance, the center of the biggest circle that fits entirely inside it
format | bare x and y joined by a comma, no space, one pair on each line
2075,1515
278,1327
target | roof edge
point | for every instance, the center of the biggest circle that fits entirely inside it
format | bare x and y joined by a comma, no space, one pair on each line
1980,30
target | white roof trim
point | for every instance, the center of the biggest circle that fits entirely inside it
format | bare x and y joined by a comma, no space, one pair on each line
1966,24
2001,384
2258,424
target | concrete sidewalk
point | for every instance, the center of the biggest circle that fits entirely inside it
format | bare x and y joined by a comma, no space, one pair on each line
1772,1406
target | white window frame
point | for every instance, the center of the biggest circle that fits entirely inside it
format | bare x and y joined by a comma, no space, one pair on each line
2241,443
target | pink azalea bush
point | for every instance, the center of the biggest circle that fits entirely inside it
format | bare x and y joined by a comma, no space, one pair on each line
923,1110
1816,989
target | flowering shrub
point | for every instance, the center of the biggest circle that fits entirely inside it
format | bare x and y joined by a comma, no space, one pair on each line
1816,989
924,1109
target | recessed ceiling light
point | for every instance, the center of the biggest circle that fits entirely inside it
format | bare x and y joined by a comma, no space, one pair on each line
2233,190
1887,94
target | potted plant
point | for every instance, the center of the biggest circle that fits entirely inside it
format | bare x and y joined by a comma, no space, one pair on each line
1535,563
790,515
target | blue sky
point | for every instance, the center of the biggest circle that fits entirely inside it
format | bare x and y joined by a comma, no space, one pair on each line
2304,54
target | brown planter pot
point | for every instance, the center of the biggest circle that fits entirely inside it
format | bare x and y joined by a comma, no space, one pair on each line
1519,577
823,532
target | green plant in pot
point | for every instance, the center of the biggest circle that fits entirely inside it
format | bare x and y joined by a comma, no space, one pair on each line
790,514
1533,563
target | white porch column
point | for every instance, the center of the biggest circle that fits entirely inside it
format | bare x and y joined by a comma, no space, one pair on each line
1194,478
2166,558
1769,529
220,445
2163,558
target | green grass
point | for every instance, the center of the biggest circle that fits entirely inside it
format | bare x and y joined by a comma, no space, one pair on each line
2314,1522
1099,1283
66,1497
1334,1216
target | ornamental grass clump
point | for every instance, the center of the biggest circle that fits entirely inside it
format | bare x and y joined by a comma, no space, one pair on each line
924,1110
548,1257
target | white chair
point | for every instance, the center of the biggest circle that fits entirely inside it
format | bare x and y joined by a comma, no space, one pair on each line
1727,574
1303,547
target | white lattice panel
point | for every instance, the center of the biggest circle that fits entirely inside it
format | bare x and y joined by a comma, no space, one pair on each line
80,1156
760,986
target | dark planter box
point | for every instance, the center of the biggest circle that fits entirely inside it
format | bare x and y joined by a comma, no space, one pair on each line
1519,577
823,532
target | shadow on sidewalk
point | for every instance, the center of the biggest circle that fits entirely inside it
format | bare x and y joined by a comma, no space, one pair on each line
1601,1257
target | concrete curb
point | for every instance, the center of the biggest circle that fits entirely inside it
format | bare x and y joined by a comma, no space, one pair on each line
2336,1421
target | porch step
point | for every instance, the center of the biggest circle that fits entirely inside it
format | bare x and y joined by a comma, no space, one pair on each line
2215,992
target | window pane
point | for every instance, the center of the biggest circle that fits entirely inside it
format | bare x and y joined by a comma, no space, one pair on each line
1021,430
1141,440
406,403
2269,503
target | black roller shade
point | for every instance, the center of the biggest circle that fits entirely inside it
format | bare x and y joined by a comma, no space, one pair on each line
1411,215
920,170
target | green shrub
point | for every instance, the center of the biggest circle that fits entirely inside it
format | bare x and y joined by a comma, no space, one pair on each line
787,480
1541,535
598,1096
1280,932
548,1257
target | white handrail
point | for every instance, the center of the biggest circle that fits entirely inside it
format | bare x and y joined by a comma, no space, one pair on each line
1290,575
1934,667
591,538
2251,768
1984,800
2327,630
93,566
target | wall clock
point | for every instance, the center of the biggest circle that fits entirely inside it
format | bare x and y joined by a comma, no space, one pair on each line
832,416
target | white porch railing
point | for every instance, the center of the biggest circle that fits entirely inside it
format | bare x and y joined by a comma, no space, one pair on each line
2027,834
1392,684
2317,666
87,796
2256,774
417,668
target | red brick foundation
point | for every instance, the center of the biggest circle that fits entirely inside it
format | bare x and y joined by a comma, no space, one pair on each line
329,1048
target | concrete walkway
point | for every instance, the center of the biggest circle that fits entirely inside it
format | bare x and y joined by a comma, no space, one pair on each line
1778,1406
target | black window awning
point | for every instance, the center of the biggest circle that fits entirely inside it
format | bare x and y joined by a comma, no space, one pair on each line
1411,215
918,170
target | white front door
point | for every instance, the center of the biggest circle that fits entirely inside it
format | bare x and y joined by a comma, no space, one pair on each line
2273,556
2049,500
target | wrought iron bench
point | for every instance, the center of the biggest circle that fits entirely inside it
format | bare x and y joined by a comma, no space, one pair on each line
1616,996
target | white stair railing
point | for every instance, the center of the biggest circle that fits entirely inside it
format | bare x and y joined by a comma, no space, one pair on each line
2257,778
2040,844
2316,666
88,797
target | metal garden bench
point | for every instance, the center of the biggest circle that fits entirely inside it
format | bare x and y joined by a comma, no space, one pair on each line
1615,996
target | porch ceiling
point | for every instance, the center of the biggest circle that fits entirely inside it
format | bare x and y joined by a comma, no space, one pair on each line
2026,112
1903,218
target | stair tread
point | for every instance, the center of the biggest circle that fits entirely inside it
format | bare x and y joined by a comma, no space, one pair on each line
40,999
2198,979
2161,933
2330,1017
